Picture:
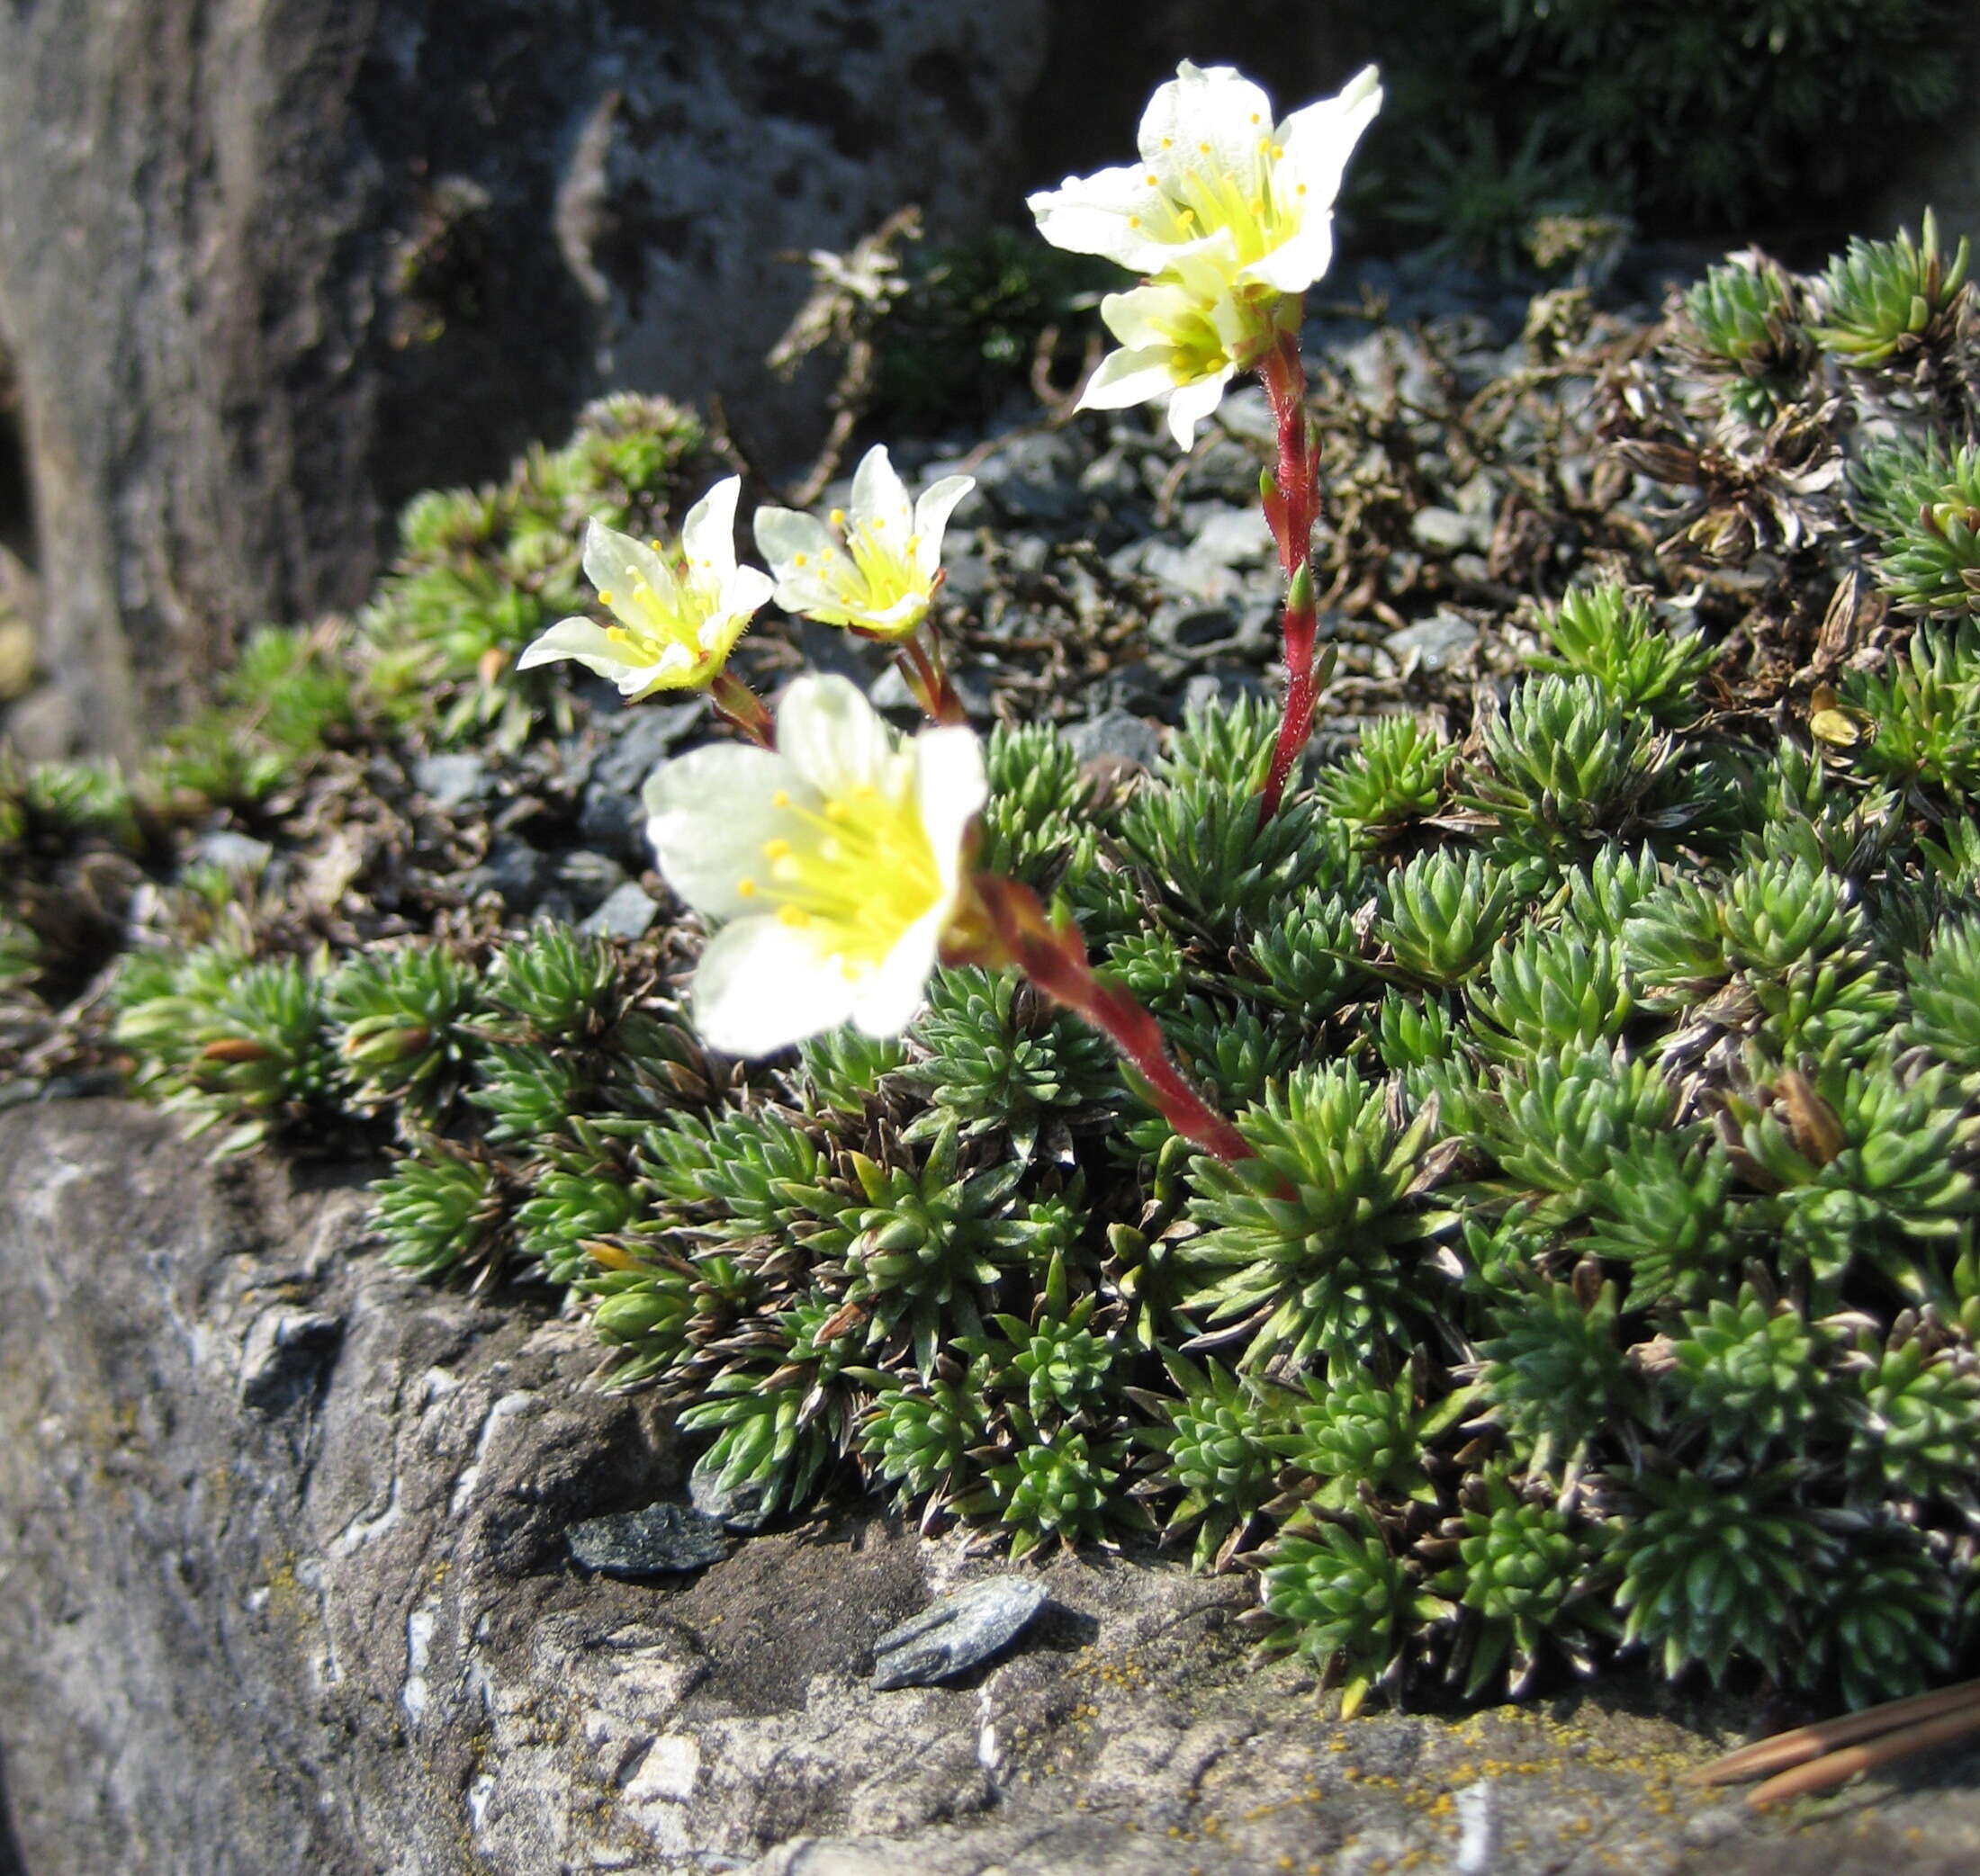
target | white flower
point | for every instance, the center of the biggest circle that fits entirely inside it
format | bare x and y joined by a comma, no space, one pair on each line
838,862
874,569
1185,336
1213,163
679,615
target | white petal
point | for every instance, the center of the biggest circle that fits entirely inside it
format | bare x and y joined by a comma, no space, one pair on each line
707,816
932,512
833,737
583,641
784,534
1144,317
1208,120
806,597
614,563
879,499
884,1003
1193,403
708,536
1125,378
760,986
1099,214
745,591
1297,262
1318,140
950,789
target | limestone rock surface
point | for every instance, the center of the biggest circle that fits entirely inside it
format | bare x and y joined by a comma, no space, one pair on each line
285,1585
267,267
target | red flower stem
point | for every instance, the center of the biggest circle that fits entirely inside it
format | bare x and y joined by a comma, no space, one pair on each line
928,679
1053,956
735,702
1293,508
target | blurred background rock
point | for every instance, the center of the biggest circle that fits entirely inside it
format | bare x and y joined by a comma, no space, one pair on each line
267,267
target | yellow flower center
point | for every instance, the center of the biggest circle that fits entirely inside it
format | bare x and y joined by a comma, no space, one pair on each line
874,575
678,632
857,870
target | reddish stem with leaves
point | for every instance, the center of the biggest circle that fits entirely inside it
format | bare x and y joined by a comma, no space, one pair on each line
735,702
1053,956
927,675
1291,503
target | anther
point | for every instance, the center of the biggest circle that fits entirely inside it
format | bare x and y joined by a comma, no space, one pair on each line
605,598
793,916
837,517
745,888
779,849
781,799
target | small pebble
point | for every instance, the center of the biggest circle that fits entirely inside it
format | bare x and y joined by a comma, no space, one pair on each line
660,1540
626,913
740,1507
955,1632
449,781
232,852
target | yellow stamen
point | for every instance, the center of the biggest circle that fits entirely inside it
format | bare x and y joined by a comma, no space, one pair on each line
837,517
793,916
803,560
1134,222
779,849
837,811
781,799
605,598
745,889
655,545
1203,148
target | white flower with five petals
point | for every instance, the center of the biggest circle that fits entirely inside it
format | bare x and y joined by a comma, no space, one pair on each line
1183,337
1215,167
876,569
837,861
679,615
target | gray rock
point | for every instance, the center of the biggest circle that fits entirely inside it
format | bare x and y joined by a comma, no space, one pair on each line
514,870
1234,537
1447,531
1246,413
741,1507
585,878
342,1635
955,1633
231,851
1031,478
450,781
286,1358
1218,690
1117,735
1190,571
656,1540
1436,641
386,287
626,913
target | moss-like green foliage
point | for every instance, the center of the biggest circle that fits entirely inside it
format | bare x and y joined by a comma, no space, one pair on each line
1610,635
1608,1036
1709,1569
481,572
1314,1243
1880,298
1742,327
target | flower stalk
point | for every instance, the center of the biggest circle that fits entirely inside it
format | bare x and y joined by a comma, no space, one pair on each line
1291,504
737,703
1015,928
919,660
